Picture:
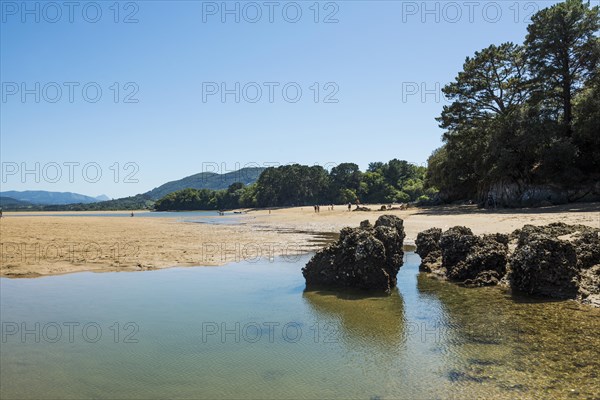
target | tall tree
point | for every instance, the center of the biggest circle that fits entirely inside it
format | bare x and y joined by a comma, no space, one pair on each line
492,82
563,50
345,175
492,86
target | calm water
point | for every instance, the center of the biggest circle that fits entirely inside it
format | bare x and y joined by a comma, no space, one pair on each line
250,331
203,217
165,214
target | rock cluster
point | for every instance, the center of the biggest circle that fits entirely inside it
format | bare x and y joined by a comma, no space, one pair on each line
367,257
556,260
461,256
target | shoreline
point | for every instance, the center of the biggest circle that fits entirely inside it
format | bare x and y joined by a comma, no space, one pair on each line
35,245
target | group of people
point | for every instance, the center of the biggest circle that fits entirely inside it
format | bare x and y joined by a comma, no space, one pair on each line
317,208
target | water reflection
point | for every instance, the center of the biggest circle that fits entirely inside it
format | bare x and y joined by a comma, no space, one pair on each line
361,320
468,341
428,339
518,345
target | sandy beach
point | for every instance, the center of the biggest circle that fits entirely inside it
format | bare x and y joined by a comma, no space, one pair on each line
45,245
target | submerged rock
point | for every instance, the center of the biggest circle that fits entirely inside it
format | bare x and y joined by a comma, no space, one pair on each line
367,257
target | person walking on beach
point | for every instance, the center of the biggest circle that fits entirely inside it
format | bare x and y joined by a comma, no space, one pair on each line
0,213
132,213
349,206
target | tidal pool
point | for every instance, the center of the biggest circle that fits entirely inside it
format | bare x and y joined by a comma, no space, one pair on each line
251,331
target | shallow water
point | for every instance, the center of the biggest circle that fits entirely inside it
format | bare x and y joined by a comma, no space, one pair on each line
162,214
250,331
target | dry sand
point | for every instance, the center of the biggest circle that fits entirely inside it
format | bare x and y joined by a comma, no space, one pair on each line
44,245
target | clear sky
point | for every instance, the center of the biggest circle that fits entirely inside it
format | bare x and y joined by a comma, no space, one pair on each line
163,65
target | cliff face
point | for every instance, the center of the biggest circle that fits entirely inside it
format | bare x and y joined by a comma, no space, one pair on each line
515,194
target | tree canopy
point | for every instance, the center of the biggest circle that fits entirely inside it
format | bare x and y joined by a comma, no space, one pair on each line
301,185
526,114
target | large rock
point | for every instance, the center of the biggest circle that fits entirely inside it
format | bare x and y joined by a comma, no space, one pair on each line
545,265
459,255
368,257
428,248
587,247
474,260
555,229
557,260
456,243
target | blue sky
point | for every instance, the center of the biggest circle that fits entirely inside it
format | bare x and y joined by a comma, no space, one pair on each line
371,66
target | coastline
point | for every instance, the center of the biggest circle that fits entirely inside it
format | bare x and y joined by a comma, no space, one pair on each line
33,246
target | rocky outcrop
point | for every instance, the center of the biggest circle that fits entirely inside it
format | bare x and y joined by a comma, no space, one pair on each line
555,229
587,247
367,257
459,255
428,248
544,265
521,194
555,260
473,260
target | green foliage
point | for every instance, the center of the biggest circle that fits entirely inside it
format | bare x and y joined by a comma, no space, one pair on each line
347,196
562,51
235,196
524,114
138,202
295,185
587,126
292,185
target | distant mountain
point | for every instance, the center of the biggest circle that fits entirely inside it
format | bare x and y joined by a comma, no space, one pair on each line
207,180
10,202
102,197
137,202
55,201
42,197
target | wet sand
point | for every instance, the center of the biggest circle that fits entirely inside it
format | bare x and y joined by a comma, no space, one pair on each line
42,245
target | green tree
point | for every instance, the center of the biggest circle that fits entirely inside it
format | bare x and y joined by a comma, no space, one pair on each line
494,81
563,50
587,127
